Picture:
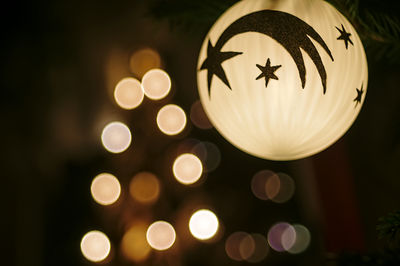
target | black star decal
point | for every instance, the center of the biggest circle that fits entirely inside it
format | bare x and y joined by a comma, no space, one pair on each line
213,64
345,36
359,95
267,71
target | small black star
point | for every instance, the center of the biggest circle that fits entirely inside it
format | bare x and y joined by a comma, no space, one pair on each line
345,36
213,64
359,95
267,71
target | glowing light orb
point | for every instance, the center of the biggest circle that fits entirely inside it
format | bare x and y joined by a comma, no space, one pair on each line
143,60
145,188
128,93
203,224
171,119
95,246
282,80
156,84
134,244
116,137
161,235
105,189
187,168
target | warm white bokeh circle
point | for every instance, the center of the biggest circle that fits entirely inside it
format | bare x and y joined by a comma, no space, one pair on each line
105,189
284,121
156,84
171,119
116,137
203,224
187,168
161,235
128,93
95,246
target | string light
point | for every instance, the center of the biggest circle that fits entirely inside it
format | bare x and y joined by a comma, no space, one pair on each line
116,137
161,235
105,189
187,168
128,93
156,84
171,119
95,246
203,224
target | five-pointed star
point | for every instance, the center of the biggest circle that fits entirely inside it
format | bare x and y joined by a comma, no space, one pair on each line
267,71
345,36
359,95
213,64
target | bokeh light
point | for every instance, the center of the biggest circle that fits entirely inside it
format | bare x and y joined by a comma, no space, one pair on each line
288,238
275,236
209,154
241,246
116,137
144,188
143,60
187,168
247,247
199,117
203,224
259,183
171,119
160,235
105,189
232,245
95,246
272,186
303,239
156,84
128,93
286,189
134,244
261,248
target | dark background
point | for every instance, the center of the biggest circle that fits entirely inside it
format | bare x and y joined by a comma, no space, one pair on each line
57,91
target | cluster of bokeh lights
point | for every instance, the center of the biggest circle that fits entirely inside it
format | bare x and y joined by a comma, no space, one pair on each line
145,187
142,237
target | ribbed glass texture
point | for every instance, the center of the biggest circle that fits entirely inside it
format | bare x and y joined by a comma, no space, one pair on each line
283,120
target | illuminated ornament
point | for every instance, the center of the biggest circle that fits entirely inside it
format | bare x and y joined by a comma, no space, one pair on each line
282,80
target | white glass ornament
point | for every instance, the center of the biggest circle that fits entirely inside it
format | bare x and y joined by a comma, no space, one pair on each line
282,80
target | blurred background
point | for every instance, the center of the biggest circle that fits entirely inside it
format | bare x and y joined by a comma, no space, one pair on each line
62,63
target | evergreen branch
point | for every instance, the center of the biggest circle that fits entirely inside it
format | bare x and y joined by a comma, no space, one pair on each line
389,226
376,21
191,16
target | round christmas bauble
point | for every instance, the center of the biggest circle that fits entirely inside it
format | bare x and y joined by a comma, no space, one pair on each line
282,80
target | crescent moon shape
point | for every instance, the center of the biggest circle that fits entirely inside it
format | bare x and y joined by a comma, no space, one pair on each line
288,30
